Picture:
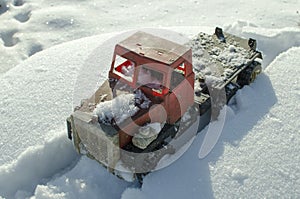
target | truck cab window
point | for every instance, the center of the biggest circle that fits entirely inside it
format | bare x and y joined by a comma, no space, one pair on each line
177,76
148,76
124,68
152,79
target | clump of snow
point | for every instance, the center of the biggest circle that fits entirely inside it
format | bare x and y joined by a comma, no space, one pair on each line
149,130
200,65
243,99
233,56
126,71
186,116
117,109
232,49
124,172
121,107
227,71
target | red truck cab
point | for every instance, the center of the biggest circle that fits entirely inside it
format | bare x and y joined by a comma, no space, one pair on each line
160,68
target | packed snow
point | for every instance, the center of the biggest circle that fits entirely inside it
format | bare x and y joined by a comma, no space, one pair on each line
257,155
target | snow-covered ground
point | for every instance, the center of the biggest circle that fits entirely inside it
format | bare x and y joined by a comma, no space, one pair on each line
257,155
29,26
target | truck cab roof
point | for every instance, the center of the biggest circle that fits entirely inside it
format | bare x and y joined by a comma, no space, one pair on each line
153,47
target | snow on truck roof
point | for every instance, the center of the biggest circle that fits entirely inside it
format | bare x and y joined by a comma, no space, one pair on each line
154,47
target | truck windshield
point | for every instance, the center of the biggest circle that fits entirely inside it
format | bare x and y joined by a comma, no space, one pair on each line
148,76
152,79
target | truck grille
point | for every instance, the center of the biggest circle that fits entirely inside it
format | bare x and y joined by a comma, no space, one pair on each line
97,143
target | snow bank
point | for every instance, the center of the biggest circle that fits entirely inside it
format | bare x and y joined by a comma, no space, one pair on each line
264,162
35,166
36,97
271,42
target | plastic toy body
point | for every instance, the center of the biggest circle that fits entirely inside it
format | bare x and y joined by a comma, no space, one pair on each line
161,84
148,63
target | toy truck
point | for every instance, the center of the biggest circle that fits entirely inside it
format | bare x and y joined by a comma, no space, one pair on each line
155,90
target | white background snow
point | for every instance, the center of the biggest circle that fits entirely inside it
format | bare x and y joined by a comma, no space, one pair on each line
257,155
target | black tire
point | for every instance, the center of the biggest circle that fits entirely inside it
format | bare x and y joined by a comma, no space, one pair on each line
140,178
249,74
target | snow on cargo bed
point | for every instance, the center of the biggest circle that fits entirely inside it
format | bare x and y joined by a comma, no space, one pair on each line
212,57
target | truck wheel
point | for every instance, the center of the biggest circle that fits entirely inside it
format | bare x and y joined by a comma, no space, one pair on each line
140,177
249,74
